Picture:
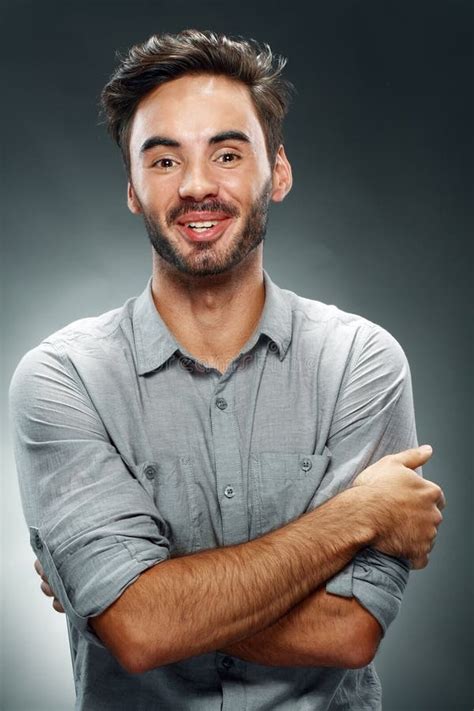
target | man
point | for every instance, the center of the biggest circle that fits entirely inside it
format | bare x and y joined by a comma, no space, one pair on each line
218,476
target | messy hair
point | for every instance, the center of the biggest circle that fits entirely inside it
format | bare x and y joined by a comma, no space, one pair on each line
165,57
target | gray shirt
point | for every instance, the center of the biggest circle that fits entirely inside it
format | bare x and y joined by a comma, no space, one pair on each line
130,451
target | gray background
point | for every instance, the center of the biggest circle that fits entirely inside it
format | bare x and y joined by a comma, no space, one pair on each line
377,223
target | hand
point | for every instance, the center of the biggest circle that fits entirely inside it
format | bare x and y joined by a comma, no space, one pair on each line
46,588
406,508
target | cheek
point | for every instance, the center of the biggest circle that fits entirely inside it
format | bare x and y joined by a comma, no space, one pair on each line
241,188
158,199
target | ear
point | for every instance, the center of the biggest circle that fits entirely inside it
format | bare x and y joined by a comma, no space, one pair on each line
282,176
132,200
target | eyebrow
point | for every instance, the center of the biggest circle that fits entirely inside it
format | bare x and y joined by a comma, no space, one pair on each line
170,142
229,136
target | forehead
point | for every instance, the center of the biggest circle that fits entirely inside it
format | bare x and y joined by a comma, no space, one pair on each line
193,108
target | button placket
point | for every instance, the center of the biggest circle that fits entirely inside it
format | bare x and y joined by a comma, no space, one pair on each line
228,465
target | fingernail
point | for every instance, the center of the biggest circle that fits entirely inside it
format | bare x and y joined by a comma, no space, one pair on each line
425,448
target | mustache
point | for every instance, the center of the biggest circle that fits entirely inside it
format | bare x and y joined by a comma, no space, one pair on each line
207,206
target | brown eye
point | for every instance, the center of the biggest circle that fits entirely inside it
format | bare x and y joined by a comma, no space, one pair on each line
164,163
228,157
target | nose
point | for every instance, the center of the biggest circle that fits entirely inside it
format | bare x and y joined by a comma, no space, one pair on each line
197,183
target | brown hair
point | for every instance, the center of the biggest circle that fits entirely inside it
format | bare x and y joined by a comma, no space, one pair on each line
165,57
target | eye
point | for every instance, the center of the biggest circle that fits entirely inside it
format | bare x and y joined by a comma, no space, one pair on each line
165,163
228,157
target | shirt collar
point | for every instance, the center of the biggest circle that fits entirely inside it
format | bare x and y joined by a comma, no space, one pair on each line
155,344
276,319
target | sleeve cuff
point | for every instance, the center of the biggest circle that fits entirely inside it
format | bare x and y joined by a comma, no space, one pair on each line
128,564
341,584
376,580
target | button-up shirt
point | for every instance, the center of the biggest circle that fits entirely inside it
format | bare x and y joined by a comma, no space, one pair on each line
130,451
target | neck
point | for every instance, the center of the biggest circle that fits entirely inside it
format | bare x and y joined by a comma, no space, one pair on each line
211,317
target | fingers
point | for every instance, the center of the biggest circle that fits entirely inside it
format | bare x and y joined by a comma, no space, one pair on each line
46,587
40,571
438,496
422,560
57,606
39,568
441,502
413,458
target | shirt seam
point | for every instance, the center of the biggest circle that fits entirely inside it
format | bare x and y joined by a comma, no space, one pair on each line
55,339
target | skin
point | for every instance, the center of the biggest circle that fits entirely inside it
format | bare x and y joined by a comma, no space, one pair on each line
212,316
211,298
234,598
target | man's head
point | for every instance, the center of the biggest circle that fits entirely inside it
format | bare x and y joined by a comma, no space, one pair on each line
166,57
198,118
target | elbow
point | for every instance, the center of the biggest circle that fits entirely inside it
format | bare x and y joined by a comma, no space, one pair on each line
135,659
132,659
359,656
138,656
361,646
131,650
133,664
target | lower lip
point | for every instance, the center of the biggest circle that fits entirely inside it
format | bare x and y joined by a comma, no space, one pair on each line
208,235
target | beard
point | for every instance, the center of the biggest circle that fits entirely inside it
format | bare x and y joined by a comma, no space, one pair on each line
206,260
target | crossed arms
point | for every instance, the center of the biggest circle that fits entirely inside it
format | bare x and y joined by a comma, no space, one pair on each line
264,600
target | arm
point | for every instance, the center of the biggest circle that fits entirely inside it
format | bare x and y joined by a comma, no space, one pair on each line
323,630
199,590
373,417
199,602
279,645
95,530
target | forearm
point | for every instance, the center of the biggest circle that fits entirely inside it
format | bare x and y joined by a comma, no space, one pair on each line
322,630
205,601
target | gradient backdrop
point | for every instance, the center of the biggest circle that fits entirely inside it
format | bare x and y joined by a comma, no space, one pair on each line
377,223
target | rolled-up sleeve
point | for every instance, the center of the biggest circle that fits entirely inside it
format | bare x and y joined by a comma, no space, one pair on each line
374,417
92,525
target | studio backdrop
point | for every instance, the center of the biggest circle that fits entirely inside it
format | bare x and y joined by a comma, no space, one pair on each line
377,223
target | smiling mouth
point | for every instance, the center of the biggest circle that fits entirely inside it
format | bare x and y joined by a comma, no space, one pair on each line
201,226
204,230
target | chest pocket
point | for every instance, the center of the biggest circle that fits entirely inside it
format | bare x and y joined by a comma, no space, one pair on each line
284,486
171,480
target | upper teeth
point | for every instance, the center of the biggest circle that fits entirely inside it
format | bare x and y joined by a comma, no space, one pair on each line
202,224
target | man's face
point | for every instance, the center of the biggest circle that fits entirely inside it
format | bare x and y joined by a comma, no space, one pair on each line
200,173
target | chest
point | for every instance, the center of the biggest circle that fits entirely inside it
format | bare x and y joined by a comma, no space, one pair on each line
226,458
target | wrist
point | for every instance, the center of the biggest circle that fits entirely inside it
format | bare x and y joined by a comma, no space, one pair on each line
361,514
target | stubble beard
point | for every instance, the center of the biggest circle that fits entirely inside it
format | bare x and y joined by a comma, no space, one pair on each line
206,260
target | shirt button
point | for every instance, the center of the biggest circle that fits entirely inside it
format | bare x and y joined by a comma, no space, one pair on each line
227,663
221,403
229,492
38,541
306,464
150,472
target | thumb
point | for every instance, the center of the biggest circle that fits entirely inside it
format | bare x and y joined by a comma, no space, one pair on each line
415,457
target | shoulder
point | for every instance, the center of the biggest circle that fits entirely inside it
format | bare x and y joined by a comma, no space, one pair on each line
94,331
54,358
329,328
